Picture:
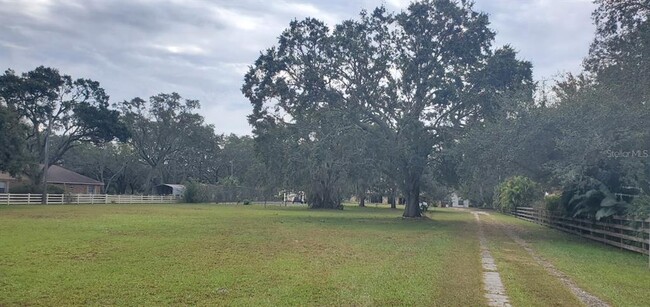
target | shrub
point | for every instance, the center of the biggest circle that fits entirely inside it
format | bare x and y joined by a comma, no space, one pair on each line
639,208
552,203
196,193
591,199
247,202
515,192
36,189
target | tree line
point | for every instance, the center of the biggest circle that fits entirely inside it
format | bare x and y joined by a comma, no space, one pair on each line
586,140
130,146
421,101
380,98
415,104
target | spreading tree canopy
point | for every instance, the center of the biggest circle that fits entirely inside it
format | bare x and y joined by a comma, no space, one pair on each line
406,79
13,153
618,56
166,130
75,110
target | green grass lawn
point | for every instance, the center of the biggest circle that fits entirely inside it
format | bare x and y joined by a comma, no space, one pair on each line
527,283
619,277
235,255
251,255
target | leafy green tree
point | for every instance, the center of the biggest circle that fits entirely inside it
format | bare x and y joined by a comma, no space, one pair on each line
489,153
314,132
272,149
104,162
619,53
76,111
13,150
134,176
405,78
322,158
161,129
239,160
199,159
516,192
591,142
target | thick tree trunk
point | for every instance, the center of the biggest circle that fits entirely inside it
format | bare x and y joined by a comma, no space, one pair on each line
150,185
412,208
324,196
323,202
361,194
324,193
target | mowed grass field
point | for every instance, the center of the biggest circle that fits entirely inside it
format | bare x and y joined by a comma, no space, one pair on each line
236,255
250,255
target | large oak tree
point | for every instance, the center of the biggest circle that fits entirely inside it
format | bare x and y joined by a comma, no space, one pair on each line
405,79
75,110
164,131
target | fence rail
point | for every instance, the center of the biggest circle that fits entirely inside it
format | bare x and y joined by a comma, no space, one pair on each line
618,231
34,199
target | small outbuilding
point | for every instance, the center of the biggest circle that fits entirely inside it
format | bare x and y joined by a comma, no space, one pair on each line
170,189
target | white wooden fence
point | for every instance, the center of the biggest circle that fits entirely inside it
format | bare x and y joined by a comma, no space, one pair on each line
35,199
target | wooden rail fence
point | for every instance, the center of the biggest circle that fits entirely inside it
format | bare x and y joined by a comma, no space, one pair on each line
618,231
34,199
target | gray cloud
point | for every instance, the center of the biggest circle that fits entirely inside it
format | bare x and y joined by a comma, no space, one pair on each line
553,35
201,48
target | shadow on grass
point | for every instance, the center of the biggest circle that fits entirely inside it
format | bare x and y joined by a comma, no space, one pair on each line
363,221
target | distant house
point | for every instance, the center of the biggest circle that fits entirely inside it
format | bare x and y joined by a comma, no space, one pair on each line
5,182
69,181
170,189
72,182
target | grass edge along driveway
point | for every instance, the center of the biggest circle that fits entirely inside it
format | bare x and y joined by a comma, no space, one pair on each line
619,277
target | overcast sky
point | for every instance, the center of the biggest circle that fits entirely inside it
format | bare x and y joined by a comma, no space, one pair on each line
201,49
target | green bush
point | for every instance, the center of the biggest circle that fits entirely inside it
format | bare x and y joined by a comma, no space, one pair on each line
515,192
247,202
639,208
552,203
591,199
36,189
196,193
